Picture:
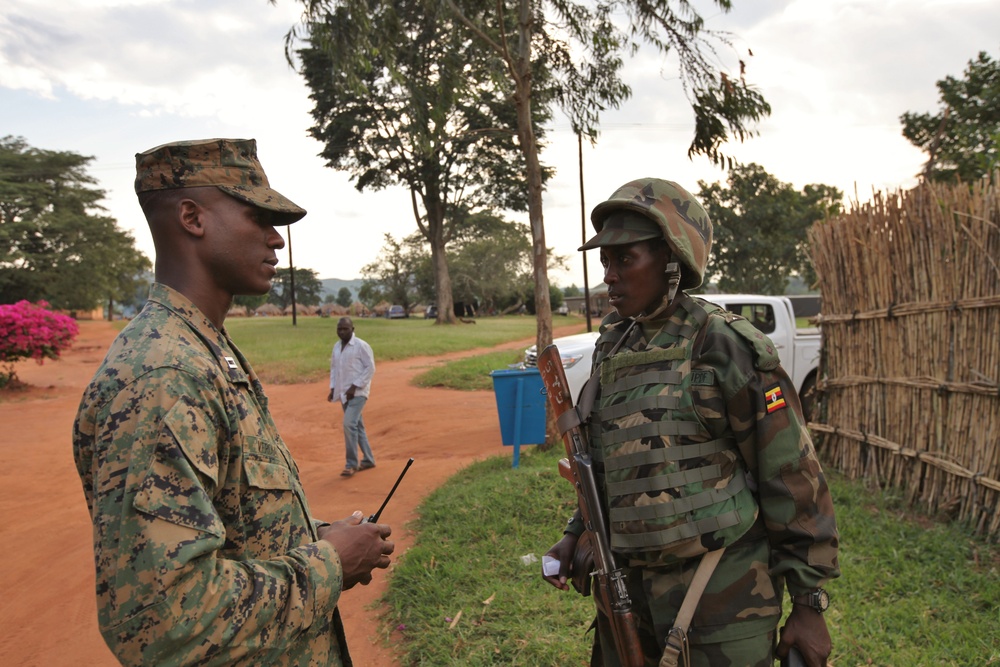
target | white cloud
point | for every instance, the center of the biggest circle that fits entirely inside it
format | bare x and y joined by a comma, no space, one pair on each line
110,78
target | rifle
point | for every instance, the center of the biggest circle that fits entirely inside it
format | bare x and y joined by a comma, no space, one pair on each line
610,592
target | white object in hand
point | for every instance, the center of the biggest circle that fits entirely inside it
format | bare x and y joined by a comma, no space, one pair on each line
550,566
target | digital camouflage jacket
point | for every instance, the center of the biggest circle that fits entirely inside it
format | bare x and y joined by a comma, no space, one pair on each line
204,547
735,425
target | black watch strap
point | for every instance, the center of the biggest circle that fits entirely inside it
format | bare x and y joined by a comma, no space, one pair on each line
818,600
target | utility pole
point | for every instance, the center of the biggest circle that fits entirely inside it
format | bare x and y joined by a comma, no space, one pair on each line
583,231
291,275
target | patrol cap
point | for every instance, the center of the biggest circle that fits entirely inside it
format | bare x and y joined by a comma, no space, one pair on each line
229,164
621,227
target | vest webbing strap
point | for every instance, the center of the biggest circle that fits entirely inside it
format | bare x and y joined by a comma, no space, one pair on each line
664,454
649,429
679,505
612,365
641,380
661,538
663,482
655,402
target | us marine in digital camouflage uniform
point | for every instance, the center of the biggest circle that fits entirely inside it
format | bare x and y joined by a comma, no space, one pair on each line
698,435
205,548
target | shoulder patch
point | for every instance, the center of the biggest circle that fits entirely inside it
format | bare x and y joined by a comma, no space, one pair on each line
765,353
774,399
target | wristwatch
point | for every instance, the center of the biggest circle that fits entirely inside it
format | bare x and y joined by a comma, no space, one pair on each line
817,599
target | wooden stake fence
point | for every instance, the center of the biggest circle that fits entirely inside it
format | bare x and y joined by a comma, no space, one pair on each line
910,394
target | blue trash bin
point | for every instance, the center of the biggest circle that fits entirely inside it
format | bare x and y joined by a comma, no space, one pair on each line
520,397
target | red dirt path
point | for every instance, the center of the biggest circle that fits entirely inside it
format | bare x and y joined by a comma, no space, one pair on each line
47,610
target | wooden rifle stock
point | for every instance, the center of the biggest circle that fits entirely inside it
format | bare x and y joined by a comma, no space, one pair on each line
609,590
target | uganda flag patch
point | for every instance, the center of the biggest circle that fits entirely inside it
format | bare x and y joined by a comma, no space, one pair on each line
774,399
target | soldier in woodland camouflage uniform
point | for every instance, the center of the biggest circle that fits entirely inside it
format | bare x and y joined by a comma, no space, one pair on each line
205,549
699,438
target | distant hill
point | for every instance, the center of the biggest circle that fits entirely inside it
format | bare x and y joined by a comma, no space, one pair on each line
333,285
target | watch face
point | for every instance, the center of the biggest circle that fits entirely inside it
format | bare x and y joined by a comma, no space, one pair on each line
822,600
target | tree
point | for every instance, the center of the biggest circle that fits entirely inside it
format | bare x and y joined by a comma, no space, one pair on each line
400,98
491,259
962,140
572,290
760,227
308,288
250,301
392,276
54,242
344,297
581,47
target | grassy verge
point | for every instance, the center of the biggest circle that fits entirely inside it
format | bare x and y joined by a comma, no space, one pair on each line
913,592
469,374
285,354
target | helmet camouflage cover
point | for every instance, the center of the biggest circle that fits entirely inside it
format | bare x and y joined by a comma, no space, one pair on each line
684,222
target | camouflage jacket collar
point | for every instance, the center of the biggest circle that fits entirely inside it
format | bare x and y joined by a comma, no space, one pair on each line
230,359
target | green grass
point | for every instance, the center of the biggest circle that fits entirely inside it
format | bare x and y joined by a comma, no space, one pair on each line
283,354
474,531
913,592
469,374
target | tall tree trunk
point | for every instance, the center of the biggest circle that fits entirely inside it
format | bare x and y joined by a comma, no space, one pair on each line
439,262
529,146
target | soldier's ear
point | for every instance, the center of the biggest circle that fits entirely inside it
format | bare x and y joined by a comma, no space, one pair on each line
190,215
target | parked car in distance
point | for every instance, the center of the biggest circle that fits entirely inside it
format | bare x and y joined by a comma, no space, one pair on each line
396,313
562,310
798,348
431,312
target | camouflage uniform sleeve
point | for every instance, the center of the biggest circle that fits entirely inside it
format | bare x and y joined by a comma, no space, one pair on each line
766,418
169,591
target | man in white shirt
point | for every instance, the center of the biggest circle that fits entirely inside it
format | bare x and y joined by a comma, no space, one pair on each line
352,366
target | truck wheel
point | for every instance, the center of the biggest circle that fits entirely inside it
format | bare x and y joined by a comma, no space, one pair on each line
807,396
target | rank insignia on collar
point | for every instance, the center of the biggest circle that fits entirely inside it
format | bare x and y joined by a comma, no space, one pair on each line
774,399
231,362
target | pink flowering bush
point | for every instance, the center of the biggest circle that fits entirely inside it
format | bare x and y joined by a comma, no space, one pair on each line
29,331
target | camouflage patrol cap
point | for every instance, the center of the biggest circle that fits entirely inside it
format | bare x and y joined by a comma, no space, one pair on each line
229,164
679,216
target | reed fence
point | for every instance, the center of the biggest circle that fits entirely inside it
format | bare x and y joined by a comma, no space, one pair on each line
910,393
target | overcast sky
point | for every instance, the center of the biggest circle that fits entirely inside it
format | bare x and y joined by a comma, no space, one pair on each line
109,78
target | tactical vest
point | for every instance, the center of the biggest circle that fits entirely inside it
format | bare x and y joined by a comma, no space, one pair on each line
674,489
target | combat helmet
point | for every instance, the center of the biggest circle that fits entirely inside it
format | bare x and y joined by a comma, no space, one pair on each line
684,222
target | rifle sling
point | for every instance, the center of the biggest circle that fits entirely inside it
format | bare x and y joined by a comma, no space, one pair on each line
677,637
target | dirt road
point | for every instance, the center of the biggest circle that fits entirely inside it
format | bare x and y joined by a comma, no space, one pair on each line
47,610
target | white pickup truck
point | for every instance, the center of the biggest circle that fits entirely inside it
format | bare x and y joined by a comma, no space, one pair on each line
773,315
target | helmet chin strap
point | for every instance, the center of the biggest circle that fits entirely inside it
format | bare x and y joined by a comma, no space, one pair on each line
673,272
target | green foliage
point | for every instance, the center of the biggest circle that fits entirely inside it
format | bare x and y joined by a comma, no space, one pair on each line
401,97
250,301
572,290
344,297
392,277
962,141
491,261
54,242
308,288
760,227
30,331
913,593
